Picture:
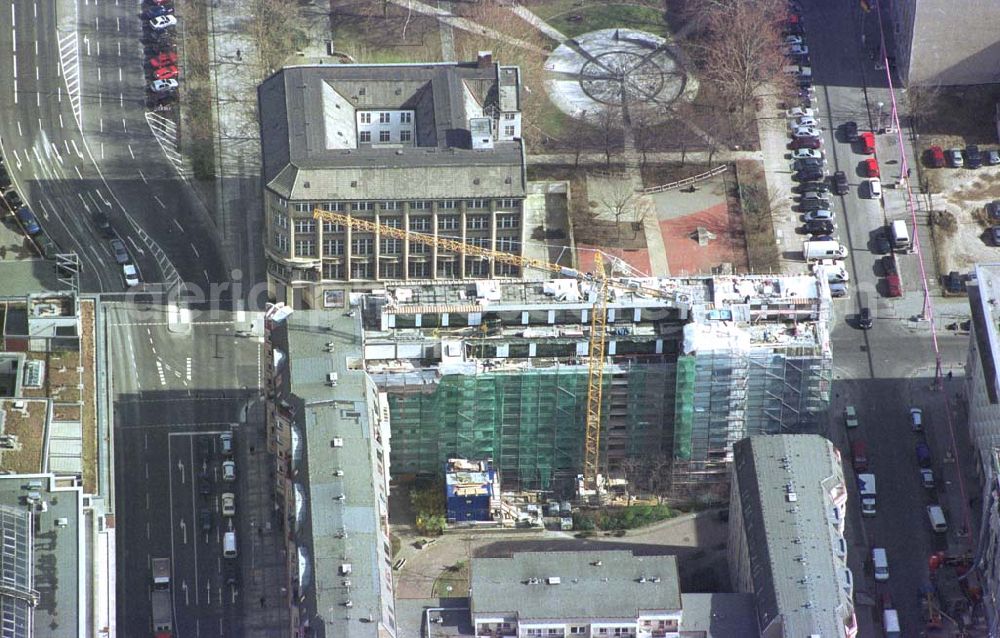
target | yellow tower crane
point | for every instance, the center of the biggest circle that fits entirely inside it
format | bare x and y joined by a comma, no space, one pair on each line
598,319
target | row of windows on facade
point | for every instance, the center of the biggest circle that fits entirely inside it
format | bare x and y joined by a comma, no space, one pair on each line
386,136
423,223
366,246
418,270
504,203
385,117
578,630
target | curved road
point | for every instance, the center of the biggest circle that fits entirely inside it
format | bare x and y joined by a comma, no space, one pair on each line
76,140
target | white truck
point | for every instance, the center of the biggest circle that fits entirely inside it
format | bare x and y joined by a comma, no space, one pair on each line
816,250
161,573
866,487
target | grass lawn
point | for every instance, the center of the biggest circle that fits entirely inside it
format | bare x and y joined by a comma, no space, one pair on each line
458,580
361,30
575,20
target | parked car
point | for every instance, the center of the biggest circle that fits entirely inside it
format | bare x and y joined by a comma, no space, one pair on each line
228,504
993,209
992,157
874,188
205,518
802,164
889,265
163,59
813,195
13,200
819,187
894,287
798,111
806,131
824,238
994,234
4,178
867,140
46,247
840,183
953,282
815,204
935,157
156,12
927,478
807,153
808,174
805,121
973,158
161,23
880,244
793,39
165,73
806,142
228,471
955,158
871,167
850,131
865,319
838,290
162,86
28,221
916,420
797,49
923,454
820,227
859,456
120,251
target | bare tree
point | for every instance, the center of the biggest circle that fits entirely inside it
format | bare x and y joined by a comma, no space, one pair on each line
621,200
922,101
611,128
742,49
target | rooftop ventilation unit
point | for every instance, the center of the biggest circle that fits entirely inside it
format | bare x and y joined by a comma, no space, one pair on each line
337,442
553,580
331,379
345,569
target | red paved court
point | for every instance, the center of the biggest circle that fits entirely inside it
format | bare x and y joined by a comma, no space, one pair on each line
638,259
686,257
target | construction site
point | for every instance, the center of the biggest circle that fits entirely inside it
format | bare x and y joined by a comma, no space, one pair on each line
499,370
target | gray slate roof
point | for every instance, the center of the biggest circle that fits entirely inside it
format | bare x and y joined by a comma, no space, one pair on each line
295,111
585,590
803,597
328,413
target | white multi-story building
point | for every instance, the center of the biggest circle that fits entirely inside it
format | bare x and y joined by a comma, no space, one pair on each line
786,536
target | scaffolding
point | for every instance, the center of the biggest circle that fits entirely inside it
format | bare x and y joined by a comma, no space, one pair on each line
723,396
531,421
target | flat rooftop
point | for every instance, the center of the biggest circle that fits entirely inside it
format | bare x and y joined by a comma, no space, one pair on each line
984,302
574,584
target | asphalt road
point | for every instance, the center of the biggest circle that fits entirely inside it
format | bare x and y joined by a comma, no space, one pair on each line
174,394
888,369
77,139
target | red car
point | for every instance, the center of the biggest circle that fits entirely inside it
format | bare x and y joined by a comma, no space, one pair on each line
806,142
871,167
164,59
935,157
166,73
867,140
859,456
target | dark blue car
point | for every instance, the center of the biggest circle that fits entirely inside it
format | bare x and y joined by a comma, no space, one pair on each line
28,221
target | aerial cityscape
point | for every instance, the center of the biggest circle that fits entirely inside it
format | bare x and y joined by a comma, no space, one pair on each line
500,318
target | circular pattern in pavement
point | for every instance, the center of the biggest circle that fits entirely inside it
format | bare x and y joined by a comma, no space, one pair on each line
614,68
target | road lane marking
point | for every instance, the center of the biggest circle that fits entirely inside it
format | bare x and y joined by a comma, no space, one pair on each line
77,149
130,151
102,150
61,125
159,201
118,25
98,74
124,127
178,224
195,250
163,379
38,74
119,74
78,173
145,181
19,132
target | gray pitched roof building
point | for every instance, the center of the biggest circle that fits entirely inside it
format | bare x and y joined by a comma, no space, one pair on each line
786,543
440,142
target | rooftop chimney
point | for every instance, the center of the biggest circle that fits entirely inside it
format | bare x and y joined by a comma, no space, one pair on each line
485,59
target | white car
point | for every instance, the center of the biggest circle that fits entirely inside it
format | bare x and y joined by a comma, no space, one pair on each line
805,121
793,39
806,131
813,196
837,275
874,188
799,111
798,49
916,419
228,504
818,215
807,153
163,86
131,275
228,471
159,23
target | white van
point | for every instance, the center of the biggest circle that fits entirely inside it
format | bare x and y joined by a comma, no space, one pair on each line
936,516
890,621
900,235
875,188
881,563
229,545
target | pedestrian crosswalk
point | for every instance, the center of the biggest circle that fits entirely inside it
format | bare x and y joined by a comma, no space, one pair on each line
69,67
